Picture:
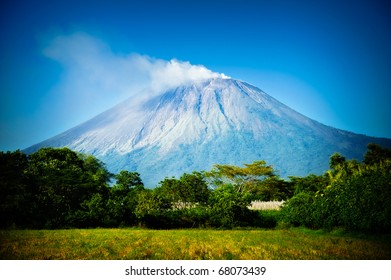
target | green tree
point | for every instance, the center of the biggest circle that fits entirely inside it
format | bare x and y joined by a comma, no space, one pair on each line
15,192
189,189
62,179
169,190
95,170
122,202
93,213
151,209
271,189
128,180
361,198
336,160
240,177
299,210
355,196
376,154
310,184
194,188
229,208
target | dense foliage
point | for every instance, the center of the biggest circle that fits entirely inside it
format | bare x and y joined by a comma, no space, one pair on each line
59,188
351,195
48,188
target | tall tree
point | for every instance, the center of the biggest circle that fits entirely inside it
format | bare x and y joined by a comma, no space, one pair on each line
190,188
123,198
376,154
62,180
240,177
127,180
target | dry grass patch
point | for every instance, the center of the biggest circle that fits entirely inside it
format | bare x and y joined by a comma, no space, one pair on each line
197,244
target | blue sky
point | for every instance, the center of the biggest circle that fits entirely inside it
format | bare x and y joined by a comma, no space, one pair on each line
62,62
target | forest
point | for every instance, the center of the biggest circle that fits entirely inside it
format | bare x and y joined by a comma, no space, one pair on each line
57,188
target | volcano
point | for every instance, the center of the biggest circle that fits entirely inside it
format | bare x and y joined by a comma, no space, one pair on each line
194,126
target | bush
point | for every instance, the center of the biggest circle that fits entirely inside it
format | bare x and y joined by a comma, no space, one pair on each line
298,210
357,199
197,217
229,208
363,200
268,218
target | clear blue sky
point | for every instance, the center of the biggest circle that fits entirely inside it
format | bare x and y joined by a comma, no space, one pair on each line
329,60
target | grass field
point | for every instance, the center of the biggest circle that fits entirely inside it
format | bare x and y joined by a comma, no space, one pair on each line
115,244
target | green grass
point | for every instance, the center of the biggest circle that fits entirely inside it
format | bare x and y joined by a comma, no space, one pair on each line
115,244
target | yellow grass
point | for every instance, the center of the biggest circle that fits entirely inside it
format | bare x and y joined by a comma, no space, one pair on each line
114,244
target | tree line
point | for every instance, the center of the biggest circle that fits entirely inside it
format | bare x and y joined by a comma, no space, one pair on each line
60,188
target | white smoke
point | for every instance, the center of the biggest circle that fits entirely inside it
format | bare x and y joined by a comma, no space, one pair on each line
93,71
169,74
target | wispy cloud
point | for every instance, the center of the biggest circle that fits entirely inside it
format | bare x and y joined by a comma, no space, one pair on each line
94,72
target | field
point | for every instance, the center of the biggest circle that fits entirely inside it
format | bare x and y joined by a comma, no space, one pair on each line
115,244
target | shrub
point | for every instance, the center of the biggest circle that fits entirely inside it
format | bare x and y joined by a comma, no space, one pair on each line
298,210
357,199
229,208
363,200
268,218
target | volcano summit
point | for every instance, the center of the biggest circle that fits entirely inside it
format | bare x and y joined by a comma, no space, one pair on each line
194,126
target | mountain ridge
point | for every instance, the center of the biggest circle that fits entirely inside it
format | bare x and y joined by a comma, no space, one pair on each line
194,126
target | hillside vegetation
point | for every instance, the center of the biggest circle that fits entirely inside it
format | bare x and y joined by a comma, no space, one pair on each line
59,188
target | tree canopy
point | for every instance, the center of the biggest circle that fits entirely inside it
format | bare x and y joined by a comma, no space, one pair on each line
239,176
60,188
